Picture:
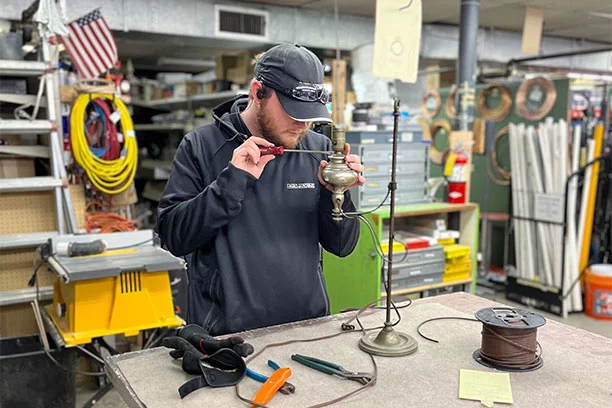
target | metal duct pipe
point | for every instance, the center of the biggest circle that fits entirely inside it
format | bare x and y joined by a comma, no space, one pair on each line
466,65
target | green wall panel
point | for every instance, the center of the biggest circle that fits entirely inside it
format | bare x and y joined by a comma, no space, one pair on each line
497,196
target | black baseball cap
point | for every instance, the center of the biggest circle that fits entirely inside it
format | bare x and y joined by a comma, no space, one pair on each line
296,74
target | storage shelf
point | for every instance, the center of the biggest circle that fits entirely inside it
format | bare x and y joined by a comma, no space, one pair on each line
20,184
424,209
26,151
21,68
159,126
428,287
30,240
355,280
15,297
21,99
206,100
24,126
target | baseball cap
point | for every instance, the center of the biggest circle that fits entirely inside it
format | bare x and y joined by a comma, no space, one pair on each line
296,74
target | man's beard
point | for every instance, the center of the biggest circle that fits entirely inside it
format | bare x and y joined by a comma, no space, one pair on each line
269,132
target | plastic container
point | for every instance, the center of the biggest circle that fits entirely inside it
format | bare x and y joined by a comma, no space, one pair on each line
454,271
446,241
456,252
598,291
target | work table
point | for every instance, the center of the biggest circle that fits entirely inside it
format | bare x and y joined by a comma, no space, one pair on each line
577,369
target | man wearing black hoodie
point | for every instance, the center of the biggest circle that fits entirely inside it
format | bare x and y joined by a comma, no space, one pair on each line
251,237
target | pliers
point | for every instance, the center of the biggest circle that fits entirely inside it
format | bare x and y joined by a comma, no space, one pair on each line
332,369
287,388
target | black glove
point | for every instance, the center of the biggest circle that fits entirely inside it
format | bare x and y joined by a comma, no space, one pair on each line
185,350
199,337
222,368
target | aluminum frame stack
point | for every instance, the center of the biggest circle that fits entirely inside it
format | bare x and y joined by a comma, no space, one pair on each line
57,182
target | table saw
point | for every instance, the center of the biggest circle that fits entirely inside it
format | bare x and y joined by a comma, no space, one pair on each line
124,289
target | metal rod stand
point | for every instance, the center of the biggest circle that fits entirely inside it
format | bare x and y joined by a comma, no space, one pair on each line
388,342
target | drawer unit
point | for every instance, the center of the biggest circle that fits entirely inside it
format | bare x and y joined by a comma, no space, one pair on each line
415,169
410,270
409,152
416,281
431,254
408,134
377,185
363,200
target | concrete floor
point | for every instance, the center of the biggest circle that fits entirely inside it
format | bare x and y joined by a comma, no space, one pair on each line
580,320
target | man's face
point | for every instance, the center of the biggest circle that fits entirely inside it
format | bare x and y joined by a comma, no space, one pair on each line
278,127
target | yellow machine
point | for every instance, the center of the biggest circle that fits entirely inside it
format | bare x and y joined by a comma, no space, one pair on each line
124,289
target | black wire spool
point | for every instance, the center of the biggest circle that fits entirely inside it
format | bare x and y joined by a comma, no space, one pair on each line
509,339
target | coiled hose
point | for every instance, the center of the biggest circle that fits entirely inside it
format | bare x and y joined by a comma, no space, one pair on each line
108,176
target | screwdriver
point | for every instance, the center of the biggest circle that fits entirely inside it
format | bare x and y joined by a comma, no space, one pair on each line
280,150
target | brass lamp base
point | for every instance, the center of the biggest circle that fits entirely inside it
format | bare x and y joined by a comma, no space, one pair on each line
388,343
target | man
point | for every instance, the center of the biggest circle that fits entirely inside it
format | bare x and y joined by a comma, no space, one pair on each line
251,222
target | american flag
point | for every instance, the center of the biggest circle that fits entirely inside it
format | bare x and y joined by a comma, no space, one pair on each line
91,45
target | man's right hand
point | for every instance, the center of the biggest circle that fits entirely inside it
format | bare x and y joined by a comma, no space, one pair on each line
247,156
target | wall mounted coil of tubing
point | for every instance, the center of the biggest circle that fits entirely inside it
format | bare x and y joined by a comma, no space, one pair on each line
430,111
499,112
434,154
529,95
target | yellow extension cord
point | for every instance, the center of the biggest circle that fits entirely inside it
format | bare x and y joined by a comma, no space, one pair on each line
108,176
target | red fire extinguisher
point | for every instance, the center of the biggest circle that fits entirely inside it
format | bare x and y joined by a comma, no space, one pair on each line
457,179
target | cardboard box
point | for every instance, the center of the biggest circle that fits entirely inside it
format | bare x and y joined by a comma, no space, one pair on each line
223,64
237,69
16,167
187,88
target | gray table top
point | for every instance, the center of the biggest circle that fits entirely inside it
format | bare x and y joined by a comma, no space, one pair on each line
577,369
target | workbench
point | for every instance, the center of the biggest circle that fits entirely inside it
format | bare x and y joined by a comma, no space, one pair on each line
577,369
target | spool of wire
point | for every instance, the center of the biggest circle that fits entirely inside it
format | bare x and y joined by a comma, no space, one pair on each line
509,339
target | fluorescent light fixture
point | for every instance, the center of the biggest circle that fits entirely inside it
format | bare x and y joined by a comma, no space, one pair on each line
186,62
595,77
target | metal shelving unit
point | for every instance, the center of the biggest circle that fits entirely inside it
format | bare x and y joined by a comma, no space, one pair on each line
159,127
206,100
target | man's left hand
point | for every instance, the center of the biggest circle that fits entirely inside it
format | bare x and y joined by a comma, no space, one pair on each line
353,161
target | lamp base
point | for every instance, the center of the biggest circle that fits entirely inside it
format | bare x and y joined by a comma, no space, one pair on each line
388,343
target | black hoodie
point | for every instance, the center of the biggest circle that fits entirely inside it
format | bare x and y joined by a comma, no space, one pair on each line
252,245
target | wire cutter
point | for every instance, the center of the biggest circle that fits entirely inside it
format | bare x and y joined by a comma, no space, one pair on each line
287,388
332,369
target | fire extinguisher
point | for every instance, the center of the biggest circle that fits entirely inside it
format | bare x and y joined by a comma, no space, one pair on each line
456,171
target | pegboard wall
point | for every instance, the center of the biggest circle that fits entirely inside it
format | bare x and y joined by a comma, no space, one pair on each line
22,213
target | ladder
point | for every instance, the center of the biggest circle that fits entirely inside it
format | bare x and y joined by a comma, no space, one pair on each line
57,182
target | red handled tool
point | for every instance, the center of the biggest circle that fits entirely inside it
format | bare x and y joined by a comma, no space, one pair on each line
280,150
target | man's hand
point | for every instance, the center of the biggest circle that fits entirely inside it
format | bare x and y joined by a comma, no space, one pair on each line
247,156
353,161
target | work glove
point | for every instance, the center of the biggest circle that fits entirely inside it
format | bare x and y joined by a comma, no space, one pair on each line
185,350
201,340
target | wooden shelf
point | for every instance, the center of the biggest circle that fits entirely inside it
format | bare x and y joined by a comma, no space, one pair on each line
206,100
423,209
428,287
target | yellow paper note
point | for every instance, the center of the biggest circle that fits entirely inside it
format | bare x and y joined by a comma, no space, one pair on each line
485,386
397,39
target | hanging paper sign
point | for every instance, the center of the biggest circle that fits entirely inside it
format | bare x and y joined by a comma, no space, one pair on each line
397,39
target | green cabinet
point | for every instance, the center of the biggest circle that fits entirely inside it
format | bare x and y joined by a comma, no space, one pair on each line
355,280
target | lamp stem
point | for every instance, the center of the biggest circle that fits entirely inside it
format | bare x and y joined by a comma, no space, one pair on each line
392,188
